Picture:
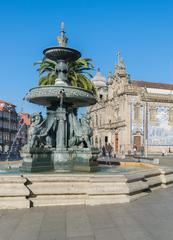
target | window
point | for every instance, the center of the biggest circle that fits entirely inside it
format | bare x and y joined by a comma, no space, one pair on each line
137,112
96,141
106,139
100,121
153,113
171,115
100,142
96,120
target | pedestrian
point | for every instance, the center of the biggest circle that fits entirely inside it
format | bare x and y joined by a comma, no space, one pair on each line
109,149
134,150
169,150
163,152
109,152
142,150
103,151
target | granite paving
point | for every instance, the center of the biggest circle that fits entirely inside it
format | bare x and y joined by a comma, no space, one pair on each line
148,218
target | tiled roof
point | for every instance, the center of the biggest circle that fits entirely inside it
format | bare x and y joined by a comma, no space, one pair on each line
2,101
152,84
26,118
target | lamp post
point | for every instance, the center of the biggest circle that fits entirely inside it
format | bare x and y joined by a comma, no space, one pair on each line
146,128
9,127
2,131
9,109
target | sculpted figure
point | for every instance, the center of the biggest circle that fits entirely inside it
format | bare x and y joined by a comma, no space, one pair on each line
80,131
87,131
34,130
47,134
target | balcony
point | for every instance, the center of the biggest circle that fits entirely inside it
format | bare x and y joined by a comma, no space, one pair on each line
114,125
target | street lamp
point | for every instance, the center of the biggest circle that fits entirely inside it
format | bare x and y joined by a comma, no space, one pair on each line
9,127
146,124
9,109
146,129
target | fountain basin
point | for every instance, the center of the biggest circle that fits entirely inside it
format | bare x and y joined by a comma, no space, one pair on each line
49,95
62,54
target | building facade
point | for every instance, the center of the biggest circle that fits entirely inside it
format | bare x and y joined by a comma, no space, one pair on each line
24,123
13,128
131,114
8,125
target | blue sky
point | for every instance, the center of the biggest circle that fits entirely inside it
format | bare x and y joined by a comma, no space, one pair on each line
142,30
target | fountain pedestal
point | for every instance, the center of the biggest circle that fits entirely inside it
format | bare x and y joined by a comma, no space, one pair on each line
61,138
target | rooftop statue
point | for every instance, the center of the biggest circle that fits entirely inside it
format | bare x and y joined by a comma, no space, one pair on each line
120,63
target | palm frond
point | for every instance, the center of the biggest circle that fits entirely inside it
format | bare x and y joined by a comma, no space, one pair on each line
78,73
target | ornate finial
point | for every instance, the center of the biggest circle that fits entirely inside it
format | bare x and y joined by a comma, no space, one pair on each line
62,26
120,68
119,57
62,39
110,78
120,63
110,74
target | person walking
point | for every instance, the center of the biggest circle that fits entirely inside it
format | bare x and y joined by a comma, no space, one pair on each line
142,151
109,152
103,151
134,150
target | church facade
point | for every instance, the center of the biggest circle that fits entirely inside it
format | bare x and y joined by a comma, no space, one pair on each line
131,114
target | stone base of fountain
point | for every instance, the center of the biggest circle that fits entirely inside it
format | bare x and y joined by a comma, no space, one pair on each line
84,159
60,160
33,190
37,161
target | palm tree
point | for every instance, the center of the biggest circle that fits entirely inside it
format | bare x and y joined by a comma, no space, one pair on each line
77,73
47,66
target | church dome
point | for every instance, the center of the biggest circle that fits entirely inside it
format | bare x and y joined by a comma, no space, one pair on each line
99,80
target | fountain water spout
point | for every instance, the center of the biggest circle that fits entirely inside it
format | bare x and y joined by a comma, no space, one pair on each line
13,143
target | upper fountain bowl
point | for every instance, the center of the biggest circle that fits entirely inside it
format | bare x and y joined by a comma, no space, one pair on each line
49,95
62,53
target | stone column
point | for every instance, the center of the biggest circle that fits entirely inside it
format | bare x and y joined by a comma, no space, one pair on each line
61,129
